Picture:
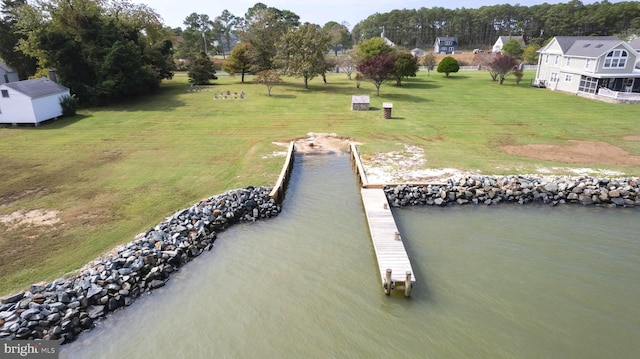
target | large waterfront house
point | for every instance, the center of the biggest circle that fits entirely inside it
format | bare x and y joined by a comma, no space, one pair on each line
602,67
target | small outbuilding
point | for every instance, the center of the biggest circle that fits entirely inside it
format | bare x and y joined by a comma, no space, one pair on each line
360,102
417,52
31,101
7,73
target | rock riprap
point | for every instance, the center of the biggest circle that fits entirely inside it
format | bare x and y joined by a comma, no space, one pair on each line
60,310
490,190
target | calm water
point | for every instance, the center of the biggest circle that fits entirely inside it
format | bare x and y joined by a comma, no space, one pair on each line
494,282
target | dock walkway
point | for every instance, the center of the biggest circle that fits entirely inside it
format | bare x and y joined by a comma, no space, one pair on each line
393,262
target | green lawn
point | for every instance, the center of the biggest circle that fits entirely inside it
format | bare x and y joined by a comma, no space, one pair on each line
114,172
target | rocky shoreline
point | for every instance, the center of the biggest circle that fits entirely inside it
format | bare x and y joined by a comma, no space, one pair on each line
61,309
491,190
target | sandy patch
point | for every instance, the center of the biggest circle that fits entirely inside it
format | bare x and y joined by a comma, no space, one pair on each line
631,138
36,217
586,152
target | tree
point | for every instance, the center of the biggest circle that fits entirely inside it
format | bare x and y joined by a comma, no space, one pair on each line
377,69
503,65
268,78
372,47
201,70
429,61
197,37
340,38
10,37
406,65
302,52
448,65
225,25
238,61
102,51
512,47
263,28
530,54
347,63
518,73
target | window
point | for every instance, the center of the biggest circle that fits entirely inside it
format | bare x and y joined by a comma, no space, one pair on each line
568,78
5,93
587,63
555,61
546,59
588,84
615,59
568,61
6,78
554,77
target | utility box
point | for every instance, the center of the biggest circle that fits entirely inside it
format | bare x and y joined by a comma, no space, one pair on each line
386,109
360,102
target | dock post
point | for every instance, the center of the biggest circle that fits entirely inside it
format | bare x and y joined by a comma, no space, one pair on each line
387,282
407,284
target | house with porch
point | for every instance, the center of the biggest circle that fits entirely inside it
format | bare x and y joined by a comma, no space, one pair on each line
445,45
601,67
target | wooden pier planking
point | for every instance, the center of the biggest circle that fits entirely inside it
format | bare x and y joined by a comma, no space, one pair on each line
390,252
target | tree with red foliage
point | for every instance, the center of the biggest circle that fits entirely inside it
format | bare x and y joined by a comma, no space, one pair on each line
503,65
378,69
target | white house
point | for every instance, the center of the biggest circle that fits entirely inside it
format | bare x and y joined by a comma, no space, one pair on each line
7,74
502,40
31,101
595,66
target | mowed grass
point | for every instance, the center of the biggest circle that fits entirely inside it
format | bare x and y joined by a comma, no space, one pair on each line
114,172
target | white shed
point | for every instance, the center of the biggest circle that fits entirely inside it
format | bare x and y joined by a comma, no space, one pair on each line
31,101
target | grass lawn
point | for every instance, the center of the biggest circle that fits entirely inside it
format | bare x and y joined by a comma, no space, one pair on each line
114,172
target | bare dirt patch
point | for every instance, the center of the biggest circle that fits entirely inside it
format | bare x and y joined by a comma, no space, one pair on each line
320,143
583,152
631,138
36,217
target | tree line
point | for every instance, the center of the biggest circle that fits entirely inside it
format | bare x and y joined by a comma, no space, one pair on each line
479,28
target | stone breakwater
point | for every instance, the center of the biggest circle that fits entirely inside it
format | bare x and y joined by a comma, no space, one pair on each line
60,310
489,190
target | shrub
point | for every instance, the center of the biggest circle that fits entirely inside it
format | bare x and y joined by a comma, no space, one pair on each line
69,105
448,65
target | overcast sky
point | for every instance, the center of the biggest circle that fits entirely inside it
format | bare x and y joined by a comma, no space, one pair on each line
316,11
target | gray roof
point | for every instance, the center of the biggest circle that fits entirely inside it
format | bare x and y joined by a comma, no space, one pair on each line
37,87
635,43
591,48
566,42
446,38
6,68
506,39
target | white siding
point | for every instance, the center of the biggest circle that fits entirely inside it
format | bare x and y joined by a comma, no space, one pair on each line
16,108
46,108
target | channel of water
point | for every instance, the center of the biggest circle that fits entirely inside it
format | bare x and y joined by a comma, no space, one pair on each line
495,282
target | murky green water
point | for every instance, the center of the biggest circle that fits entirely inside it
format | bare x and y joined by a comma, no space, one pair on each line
494,282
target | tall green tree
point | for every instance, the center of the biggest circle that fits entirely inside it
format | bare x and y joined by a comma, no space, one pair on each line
373,47
302,52
102,51
530,54
239,61
225,26
406,65
10,36
339,35
263,28
198,36
201,70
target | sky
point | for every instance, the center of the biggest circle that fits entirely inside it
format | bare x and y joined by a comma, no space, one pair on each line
317,11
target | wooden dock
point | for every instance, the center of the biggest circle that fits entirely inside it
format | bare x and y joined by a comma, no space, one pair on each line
393,262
